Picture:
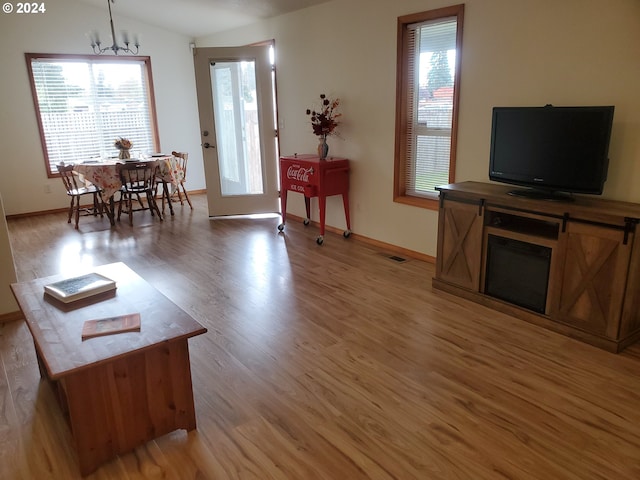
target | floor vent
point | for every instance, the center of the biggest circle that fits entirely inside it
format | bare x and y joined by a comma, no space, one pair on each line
398,259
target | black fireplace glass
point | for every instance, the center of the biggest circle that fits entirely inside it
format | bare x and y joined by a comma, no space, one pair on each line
517,272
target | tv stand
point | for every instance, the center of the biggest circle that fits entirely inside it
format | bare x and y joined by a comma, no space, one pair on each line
537,194
577,264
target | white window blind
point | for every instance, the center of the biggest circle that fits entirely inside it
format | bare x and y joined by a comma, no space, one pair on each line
84,105
431,73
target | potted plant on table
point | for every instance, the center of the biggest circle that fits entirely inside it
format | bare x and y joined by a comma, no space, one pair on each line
324,122
124,145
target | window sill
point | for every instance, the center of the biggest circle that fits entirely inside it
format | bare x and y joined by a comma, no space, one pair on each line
421,202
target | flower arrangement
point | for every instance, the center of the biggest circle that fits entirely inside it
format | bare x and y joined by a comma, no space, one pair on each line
123,143
324,121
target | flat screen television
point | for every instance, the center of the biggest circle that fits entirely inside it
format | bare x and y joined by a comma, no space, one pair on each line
553,151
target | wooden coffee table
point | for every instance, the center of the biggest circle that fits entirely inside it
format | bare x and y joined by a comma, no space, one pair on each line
117,391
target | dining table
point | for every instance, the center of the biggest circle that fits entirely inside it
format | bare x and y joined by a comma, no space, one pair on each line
105,174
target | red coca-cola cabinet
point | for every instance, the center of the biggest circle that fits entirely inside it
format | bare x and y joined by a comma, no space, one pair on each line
314,177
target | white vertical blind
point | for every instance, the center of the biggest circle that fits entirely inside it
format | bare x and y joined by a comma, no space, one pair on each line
431,70
84,105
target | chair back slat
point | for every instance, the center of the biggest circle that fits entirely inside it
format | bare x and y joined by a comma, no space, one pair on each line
76,189
68,178
182,157
180,163
138,177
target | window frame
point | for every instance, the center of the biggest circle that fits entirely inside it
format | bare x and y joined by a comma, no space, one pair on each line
146,60
404,86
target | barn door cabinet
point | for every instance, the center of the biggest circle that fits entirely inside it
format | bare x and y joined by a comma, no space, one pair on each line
573,267
460,242
593,277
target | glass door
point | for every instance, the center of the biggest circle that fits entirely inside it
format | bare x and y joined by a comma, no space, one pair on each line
235,99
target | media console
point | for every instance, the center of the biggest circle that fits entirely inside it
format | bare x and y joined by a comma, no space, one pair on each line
573,267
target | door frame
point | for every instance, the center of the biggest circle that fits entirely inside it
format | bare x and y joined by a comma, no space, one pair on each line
267,202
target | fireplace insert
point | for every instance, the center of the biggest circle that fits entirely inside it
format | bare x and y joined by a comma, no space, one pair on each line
517,272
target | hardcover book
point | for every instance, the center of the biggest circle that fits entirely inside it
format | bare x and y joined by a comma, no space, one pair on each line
111,325
76,288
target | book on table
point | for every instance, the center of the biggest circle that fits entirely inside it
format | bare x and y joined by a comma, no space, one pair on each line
110,325
76,288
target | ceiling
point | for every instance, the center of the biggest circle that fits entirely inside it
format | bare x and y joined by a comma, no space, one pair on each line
195,18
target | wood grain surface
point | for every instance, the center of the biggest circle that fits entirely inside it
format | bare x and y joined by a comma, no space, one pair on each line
117,391
57,328
326,362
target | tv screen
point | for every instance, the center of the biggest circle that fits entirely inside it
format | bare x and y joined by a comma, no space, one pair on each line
551,149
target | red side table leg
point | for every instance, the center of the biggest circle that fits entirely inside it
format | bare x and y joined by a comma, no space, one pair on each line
322,201
345,202
283,208
307,205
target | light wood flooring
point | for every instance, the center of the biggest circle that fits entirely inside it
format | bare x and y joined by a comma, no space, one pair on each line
326,362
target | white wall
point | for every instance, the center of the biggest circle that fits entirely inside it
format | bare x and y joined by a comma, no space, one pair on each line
63,29
526,52
8,302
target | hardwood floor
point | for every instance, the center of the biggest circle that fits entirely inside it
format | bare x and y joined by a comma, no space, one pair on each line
331,362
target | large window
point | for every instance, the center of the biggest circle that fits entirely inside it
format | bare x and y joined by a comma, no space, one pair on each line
429,53
84,103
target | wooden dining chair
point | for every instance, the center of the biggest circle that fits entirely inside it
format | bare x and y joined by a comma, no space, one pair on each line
182,158
138,178
76,190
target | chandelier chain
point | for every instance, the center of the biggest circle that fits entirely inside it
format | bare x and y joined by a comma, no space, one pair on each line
98,49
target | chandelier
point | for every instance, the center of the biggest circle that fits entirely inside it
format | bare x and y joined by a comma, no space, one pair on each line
97,45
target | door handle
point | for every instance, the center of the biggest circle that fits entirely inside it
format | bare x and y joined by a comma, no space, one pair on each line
207,145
